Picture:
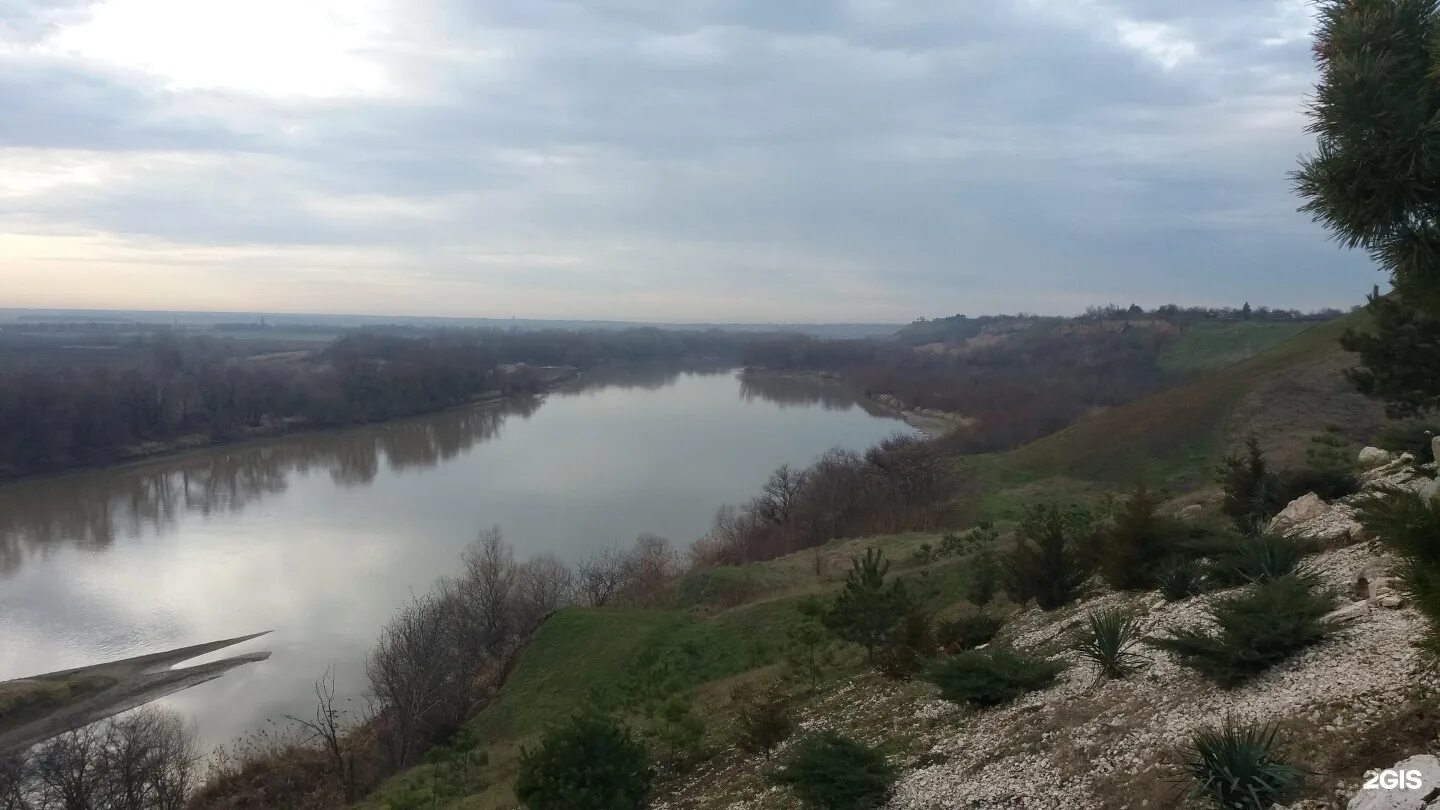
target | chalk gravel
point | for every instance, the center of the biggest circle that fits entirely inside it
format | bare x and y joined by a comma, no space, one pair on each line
1134,726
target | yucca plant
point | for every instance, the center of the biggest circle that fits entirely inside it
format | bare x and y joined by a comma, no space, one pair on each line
1240,766
1109,640
1179,579
1410,526
1260,558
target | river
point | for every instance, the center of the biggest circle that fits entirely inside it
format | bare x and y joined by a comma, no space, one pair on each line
321,536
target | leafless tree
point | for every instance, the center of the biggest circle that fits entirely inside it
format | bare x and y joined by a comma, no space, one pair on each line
15,779
648,570
148,761
142,760
413,675
485,595
327,730
600,576
543,584
67,769
780,494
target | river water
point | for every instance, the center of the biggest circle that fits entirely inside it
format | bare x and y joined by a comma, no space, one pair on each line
320,537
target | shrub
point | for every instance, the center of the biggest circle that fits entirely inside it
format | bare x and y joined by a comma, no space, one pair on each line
1179,579
1259,558
762,718
1410,526
1240,766
1257,629
831,772
588,762
951,544
1137,540
1109,640
993,676
984,578
808,650
1047,563
677,733
969,632
907,647
867,609
1251,489
924,555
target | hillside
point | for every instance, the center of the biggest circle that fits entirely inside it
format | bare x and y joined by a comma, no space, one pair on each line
1284,394
1075,745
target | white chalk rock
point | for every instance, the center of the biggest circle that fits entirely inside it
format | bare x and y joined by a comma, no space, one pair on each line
1372,457
1402,797
1309,517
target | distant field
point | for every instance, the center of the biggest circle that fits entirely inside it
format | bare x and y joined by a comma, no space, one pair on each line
1208,346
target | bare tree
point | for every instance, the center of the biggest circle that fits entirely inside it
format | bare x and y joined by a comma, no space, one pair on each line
148,761
142,760
487,589
413,674
328,729
67,769
601,576
543,585
15,777
780,494
648,570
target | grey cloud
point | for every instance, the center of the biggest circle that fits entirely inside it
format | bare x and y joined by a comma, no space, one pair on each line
928,147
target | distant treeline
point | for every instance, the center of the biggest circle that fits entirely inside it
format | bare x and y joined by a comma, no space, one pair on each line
961,327
1016,390
55,415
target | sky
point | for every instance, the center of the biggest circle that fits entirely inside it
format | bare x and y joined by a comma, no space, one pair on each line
684,160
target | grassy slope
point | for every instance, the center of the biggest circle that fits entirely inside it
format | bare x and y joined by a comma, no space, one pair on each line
617,656
1210,345
581,653
1173,437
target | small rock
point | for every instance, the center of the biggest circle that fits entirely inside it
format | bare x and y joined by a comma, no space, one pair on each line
1372,457
1435,448
1348,613
1393,602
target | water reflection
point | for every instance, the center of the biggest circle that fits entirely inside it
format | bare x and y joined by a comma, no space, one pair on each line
90,510
806,391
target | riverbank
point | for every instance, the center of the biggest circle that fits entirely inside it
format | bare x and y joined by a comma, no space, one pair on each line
191,443
931,422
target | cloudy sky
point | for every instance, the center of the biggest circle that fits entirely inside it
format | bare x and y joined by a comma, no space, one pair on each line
657,159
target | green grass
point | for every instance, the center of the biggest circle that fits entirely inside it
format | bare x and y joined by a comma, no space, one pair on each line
1172,438
621,658
1209,346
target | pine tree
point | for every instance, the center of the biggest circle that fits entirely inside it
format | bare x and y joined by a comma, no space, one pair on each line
1250,487
1374,180
1048,563
762,718
590,762
867,609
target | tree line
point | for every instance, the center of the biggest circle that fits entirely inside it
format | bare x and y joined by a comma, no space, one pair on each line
56,415
1013,391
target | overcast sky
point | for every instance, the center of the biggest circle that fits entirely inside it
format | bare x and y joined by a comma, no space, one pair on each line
751,160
